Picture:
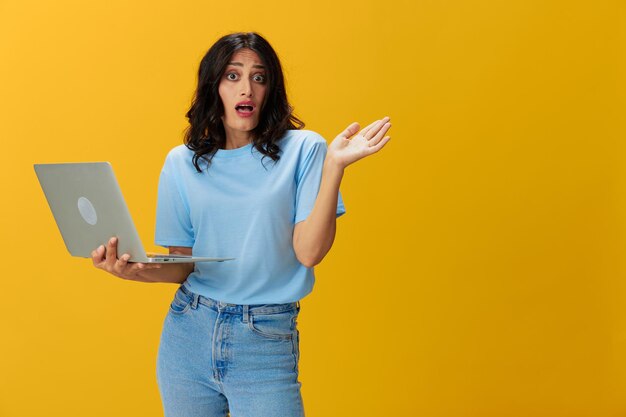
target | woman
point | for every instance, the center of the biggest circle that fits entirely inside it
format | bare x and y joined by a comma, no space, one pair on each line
247,184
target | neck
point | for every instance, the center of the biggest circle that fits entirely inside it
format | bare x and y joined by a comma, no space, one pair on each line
237,139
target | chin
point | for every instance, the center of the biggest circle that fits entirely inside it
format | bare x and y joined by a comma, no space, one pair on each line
242,125
247,127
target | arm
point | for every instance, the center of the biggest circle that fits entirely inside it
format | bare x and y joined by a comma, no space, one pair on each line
143,272
313,237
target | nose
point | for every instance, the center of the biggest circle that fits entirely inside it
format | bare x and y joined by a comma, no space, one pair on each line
246,88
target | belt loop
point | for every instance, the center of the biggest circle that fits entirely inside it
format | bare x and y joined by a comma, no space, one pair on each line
194,302
246,313
298,305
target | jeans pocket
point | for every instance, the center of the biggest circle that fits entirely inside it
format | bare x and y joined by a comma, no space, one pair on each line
181,302
279,326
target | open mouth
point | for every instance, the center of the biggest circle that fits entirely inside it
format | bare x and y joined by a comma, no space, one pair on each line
245,108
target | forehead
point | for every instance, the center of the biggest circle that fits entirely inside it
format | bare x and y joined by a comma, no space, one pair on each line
245,56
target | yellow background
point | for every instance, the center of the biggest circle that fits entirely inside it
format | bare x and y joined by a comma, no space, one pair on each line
479,270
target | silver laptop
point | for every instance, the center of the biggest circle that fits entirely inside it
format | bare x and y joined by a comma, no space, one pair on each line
89,209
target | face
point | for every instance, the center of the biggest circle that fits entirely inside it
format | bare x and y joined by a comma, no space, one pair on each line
242,90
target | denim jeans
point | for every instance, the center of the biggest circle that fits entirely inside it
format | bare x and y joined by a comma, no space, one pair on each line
216,357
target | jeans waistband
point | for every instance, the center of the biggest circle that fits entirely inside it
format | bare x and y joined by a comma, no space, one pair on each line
240,308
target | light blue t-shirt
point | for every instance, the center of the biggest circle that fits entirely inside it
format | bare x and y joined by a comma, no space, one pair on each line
244,208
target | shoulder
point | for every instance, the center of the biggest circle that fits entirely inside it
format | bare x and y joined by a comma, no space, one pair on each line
178,161
178,155
178,152
302,141
304,136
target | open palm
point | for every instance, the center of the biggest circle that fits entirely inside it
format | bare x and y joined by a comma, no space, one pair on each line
345,150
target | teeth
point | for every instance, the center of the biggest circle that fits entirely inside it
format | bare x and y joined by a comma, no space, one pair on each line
244,107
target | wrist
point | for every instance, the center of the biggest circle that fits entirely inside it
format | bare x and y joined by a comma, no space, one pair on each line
333,165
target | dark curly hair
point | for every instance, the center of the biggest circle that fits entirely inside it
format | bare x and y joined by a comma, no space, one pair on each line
206,134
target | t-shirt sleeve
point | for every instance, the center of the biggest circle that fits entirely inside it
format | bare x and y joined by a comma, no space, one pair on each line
173,221
308,180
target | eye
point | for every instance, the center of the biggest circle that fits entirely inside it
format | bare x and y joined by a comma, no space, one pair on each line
231,76
259,78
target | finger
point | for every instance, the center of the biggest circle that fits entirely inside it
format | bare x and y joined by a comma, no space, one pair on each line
381,133
376,128
97,255
380,145
368,127
136,267
350,130
121,263
111,253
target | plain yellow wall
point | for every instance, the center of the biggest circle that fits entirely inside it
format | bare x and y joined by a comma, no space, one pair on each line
479,270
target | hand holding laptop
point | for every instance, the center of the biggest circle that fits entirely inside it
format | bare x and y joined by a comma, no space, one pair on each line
106,258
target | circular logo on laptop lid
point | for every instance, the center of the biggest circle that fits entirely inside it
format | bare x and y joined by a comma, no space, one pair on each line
87,210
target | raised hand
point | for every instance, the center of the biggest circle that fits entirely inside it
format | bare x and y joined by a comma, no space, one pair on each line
349,147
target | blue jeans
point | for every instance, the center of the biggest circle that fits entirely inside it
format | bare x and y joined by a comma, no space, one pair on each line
216,357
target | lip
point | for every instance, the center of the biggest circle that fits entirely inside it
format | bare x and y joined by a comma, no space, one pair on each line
245,103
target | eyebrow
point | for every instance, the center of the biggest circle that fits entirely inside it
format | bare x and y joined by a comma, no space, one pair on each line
239,64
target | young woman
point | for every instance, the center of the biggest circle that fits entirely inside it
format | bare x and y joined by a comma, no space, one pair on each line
249,184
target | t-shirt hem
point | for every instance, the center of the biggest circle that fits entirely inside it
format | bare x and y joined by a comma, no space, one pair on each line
253,301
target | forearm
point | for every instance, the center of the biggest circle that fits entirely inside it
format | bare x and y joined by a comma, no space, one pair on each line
318,232
174,273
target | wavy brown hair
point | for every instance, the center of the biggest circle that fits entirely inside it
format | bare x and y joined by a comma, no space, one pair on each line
206,134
